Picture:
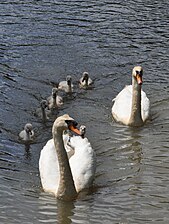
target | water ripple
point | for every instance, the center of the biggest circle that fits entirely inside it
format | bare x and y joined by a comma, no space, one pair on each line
41,43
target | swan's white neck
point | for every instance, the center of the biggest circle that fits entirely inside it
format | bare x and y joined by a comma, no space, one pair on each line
135,118
66,190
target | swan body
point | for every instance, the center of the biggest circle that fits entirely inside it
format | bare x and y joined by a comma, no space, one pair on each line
79,149
49,167
66,85
62,176
131,105
85,81
54,101
27,135
82,163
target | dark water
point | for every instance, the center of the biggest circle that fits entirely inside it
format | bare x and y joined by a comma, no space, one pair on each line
43,41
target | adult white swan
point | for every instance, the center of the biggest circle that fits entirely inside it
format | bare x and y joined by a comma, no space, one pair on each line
62,176
131,106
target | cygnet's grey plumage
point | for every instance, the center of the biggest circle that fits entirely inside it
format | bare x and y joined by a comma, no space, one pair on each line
66,85
54,101
43,111
27,135
85,81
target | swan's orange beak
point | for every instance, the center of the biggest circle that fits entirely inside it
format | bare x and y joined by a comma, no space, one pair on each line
139,79
74,129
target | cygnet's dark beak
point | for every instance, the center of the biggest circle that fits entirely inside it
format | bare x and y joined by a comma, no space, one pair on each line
31,133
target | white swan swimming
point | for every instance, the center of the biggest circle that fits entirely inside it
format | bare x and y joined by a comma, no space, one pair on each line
66,85
85,81
54,101
27,135
131,106
62,176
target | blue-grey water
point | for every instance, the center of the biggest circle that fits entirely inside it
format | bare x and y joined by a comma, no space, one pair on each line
42,41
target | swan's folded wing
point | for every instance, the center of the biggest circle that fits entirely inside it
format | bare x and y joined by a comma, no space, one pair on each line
49,168
121,109
83,163
145,106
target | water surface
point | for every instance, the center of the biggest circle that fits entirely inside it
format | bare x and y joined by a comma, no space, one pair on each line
41,43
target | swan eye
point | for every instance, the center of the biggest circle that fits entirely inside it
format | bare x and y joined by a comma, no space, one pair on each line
140,73
71,123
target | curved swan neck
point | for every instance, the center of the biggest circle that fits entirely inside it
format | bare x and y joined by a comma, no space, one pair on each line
66,190
135,118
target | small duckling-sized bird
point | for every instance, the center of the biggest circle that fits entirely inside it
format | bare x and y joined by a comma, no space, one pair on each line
131,106
66,85
82,130
85,81
54,101
27,135
67,135
43,112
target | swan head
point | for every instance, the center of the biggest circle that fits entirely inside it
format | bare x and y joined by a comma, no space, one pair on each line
137,74
44,104
85,76
69,80
29,128
65,122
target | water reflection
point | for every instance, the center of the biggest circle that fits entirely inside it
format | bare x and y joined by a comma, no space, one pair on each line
27,152
65,212
54,210
41,43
